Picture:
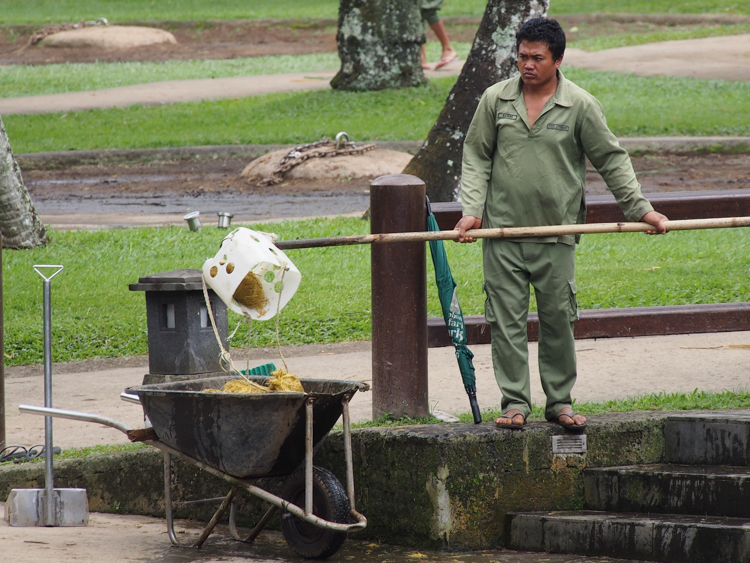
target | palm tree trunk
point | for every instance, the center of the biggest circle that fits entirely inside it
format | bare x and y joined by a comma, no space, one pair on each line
492,59
19,223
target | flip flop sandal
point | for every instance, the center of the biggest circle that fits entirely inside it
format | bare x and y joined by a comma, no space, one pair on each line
512,425
574,427
445,61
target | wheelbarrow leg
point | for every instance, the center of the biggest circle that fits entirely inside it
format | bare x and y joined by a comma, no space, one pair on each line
309,458
215,519
168,508
348,452
270,513
168,498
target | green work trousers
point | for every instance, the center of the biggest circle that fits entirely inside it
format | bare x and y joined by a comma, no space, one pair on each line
509,268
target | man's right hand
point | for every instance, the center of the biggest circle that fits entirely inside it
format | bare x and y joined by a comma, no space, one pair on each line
466,223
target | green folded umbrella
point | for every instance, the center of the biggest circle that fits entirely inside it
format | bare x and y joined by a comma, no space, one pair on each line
454,318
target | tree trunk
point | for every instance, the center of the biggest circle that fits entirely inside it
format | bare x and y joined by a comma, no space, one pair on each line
19,223
492,59
379,43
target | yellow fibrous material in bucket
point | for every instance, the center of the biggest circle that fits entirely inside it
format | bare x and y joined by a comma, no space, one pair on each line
280,382
250,293
284,381
239,386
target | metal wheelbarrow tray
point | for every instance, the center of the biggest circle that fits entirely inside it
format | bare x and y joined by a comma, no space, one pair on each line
243,436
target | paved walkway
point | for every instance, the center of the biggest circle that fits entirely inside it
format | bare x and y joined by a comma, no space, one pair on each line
173,91
726,58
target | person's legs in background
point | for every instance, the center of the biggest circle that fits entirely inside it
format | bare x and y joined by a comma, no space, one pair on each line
429,9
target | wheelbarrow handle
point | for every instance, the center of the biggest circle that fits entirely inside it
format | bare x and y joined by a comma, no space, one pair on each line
130,398
75,415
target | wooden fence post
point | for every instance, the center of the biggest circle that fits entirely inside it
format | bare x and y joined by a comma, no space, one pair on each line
399,299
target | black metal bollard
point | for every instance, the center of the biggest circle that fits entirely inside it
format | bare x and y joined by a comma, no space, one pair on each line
399,299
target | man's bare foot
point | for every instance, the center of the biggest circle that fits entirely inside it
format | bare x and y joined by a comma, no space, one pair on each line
513,419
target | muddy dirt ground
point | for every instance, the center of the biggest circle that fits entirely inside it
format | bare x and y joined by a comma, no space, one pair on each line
213,185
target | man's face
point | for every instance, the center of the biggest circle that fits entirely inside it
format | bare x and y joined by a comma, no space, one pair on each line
535,63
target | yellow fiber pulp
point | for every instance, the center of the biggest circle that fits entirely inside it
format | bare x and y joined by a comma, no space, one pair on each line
281,381
250,293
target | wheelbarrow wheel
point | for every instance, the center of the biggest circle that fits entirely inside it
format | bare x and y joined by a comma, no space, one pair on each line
329,502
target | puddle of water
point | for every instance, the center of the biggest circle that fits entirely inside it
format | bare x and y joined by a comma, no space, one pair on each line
245,207
271,547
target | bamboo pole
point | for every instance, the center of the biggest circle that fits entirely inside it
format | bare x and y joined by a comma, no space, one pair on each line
516,232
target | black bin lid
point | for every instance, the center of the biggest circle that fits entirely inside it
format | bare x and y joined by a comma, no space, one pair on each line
186,279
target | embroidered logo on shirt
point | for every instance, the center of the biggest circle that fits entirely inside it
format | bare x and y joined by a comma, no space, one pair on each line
558,127
507,116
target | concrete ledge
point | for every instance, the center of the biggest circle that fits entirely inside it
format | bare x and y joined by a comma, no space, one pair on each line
445,485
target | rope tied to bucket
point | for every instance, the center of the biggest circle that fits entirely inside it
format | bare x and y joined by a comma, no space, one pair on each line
282,379
225,359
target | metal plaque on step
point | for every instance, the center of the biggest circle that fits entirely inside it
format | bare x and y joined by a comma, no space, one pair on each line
569,444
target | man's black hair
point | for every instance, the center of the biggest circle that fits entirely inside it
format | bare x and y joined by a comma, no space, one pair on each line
543,30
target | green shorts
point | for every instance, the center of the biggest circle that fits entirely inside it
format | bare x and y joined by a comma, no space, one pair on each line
429,9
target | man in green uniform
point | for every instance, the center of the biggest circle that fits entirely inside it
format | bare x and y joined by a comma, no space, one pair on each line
524,164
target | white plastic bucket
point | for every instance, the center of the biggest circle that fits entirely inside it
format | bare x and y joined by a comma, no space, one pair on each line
244,251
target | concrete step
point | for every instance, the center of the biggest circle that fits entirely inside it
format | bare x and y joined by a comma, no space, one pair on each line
668,537
703,490
708,439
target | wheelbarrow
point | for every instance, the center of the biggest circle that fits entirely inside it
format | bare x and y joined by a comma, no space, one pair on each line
240,437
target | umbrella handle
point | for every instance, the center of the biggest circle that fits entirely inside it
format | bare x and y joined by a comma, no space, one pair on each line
474,406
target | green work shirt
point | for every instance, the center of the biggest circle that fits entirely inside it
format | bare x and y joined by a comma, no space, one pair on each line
520,176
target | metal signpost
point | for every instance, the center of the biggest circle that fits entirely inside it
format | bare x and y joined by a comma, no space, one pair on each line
48,506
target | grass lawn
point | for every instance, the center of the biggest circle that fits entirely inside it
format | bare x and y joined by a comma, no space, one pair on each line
95,315
635,106
57,11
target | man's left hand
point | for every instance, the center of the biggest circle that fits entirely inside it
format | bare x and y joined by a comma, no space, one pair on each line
657,220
